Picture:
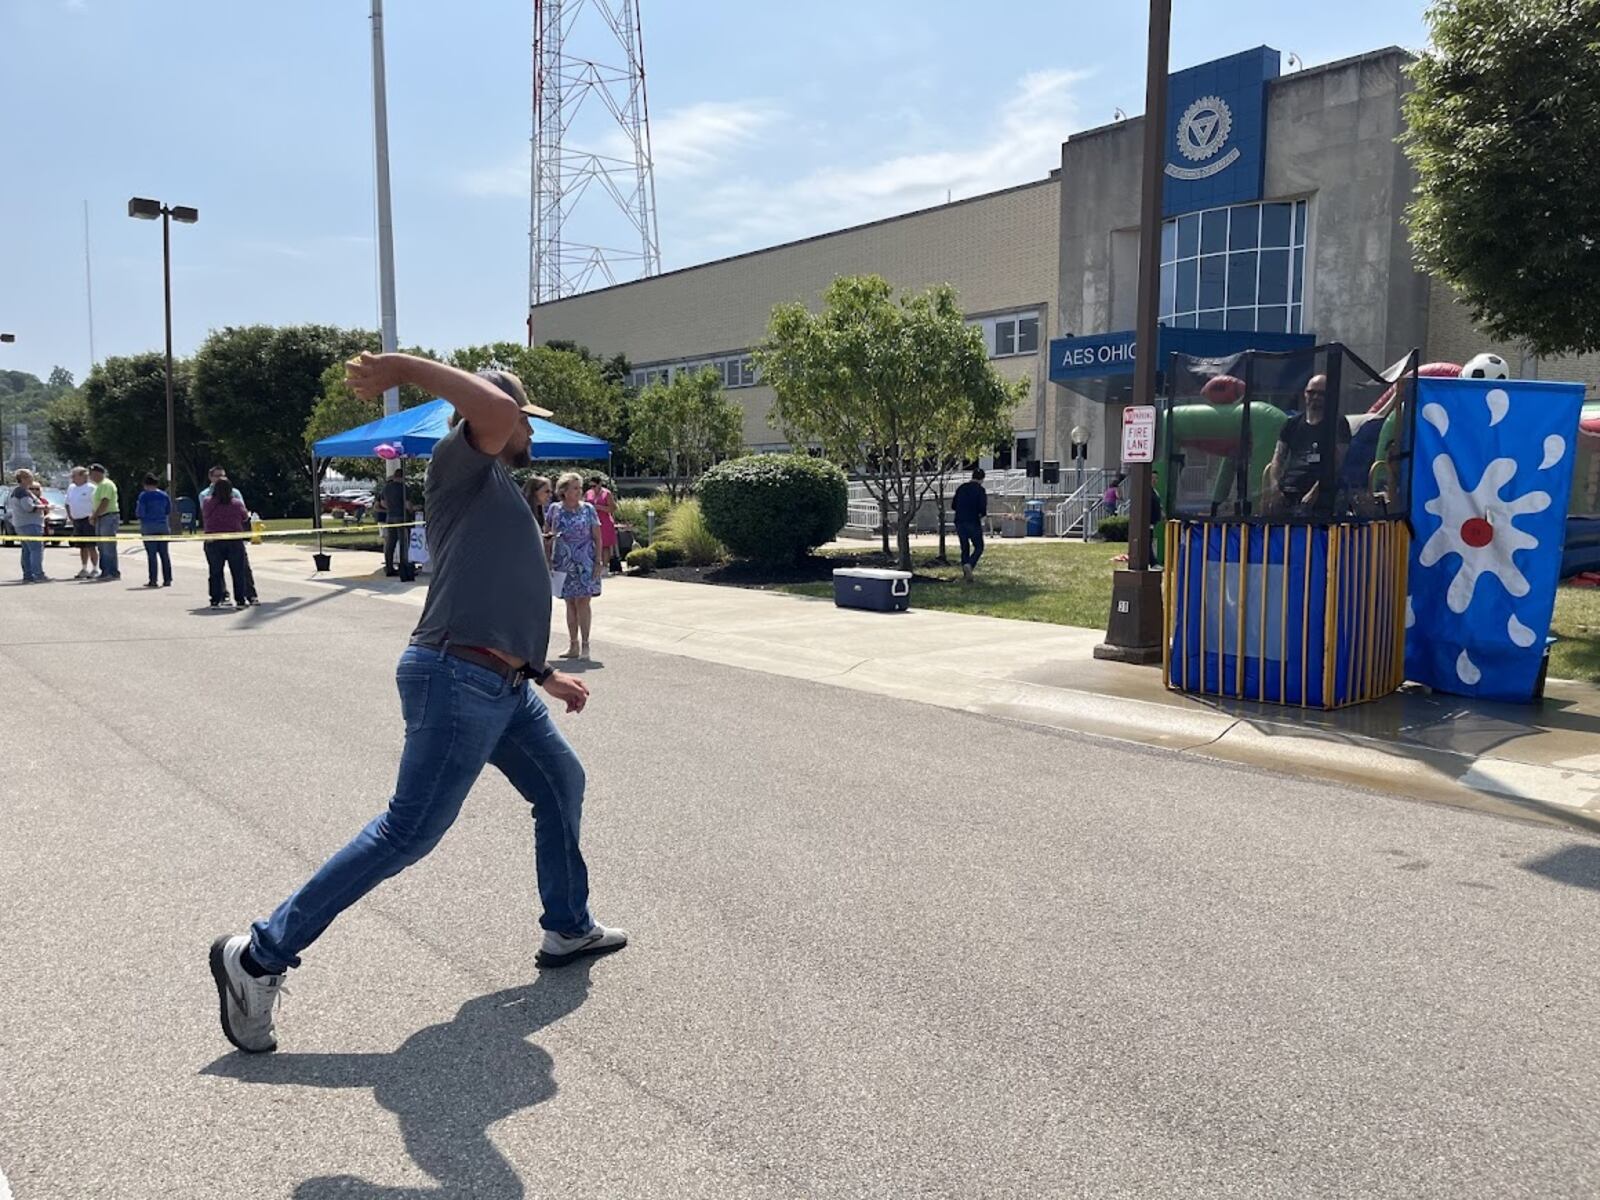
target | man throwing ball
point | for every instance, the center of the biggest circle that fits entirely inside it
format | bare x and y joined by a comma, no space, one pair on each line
465,697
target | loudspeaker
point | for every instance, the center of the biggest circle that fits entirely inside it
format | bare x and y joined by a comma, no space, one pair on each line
1052,472
1033,468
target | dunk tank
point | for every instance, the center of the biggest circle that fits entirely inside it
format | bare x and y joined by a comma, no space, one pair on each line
1334,531
1285,478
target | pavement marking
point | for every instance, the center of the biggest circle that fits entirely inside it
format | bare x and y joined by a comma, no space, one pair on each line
5,1188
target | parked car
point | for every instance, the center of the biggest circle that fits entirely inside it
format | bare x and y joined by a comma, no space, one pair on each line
354,505
56,523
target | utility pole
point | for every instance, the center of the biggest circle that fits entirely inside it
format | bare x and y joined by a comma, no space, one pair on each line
380,137
1135,629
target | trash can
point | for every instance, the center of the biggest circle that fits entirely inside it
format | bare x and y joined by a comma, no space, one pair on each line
1035,510
872,588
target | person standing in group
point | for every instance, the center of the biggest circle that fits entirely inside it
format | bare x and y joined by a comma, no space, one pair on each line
80,511
154,510
537,493
27,509
396,511
464,693
605,505
107,517
224,513
215,476
574,526
971,505
212,478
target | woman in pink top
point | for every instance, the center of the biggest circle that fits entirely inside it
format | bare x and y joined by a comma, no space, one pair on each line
605,504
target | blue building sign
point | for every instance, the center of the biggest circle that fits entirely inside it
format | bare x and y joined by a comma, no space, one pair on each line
1217,132
1100,366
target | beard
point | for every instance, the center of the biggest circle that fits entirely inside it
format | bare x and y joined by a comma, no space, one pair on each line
518,458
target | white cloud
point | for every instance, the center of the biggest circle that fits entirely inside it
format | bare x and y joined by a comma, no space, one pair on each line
696,140
1024,144
686,142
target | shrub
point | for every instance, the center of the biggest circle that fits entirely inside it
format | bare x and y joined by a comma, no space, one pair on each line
686,529
1113,529
634,512
642,559
668,554
774,507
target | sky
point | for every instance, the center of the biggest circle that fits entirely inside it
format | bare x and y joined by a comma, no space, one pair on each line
769,122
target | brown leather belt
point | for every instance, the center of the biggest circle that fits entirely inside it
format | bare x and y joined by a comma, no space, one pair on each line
515,676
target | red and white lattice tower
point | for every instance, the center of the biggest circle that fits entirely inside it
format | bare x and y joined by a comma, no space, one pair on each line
593,218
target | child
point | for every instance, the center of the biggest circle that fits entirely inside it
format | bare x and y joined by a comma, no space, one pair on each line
154,510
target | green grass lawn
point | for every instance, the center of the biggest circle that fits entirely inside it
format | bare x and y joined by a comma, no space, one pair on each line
1063,583
1069,583
1577,624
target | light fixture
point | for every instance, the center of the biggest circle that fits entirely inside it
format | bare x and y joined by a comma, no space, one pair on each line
145,210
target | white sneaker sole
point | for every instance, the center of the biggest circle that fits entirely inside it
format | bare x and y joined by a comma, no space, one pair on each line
546,958
219,973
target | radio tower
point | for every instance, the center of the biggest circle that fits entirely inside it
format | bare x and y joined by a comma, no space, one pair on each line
592,172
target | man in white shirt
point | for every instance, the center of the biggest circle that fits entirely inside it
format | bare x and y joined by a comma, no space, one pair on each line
80,511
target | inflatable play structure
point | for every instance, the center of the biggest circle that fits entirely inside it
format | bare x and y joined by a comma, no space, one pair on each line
1333,530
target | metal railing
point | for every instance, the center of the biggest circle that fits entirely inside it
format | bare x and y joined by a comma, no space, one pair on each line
1079,514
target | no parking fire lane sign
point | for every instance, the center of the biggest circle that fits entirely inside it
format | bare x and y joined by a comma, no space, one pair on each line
1139,433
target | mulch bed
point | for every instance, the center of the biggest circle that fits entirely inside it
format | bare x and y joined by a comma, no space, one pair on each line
815,569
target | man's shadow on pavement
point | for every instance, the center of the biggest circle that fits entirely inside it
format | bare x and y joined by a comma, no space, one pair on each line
447,1084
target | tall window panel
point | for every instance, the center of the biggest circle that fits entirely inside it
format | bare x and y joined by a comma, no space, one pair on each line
1240,267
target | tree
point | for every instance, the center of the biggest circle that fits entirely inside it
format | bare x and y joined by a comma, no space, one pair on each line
1504,132
613,370
573,388
254,389
26,399
681,428
67,429
895,388
125,420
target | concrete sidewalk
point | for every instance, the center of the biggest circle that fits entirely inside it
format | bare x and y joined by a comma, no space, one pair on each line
1538,762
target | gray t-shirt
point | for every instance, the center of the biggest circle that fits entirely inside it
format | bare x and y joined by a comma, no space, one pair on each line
490,586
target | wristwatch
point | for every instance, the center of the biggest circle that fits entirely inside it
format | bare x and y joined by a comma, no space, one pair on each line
541,674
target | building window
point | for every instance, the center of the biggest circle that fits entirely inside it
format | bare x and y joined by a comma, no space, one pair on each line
736,371
1013,333
1241,267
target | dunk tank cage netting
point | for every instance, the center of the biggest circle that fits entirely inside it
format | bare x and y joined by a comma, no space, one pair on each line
1285,479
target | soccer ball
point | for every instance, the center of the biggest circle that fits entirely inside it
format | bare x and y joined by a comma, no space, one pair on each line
1486,366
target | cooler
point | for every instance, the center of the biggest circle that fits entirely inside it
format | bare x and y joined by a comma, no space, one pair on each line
872,588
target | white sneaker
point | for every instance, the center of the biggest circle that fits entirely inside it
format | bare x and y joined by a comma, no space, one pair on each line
82,574
94,574
246,1002
559,951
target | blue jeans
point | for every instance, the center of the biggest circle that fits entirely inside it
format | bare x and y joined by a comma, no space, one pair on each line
107,526
458,717
157,552
32,552
970,534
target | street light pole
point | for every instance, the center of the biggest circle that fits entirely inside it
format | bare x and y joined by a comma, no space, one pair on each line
1135,629
6,338
174,523
149,210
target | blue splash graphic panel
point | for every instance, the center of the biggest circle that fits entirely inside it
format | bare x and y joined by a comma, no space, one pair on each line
1491,476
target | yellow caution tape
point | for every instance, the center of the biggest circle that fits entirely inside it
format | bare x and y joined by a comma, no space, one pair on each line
253,535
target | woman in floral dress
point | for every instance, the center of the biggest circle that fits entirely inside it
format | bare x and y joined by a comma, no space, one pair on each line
575,528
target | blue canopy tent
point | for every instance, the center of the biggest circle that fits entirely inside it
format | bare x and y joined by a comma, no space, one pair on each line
416,430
